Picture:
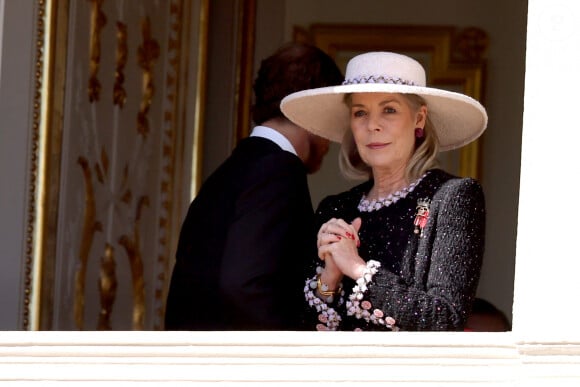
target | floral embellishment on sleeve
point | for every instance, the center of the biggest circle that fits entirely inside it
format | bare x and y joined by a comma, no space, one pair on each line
356,306
328,317
360,308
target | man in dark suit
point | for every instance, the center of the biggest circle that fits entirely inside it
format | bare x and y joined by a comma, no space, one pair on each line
249,231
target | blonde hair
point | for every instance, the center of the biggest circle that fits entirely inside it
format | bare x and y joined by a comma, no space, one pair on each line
424,156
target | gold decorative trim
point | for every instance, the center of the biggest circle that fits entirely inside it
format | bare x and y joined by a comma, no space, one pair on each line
90,226
200,93
119,92
32,228
46,154
169,138
244,68
147,53
131,245
174,104
35,220
107,288
98,21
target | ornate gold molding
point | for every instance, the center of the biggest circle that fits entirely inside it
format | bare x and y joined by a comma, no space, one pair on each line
244,68
90,226
200,85
98,21
105,192
29,314
107,287
43,164
170,124
119,92
147,54
132,248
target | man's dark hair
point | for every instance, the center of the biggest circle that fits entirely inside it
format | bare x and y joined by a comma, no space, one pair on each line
293,67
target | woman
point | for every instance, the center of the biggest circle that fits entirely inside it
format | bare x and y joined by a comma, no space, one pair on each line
403,250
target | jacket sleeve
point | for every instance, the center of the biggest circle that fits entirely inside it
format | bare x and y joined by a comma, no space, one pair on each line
266,245
448,258
311,316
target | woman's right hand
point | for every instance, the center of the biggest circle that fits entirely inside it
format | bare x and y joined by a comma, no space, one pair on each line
340,251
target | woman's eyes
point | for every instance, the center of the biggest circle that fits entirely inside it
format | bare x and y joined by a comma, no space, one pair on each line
362,113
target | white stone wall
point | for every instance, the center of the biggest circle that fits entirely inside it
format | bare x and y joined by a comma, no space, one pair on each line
548,258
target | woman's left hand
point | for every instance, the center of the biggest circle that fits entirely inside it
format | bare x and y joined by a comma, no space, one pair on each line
344,251
337,229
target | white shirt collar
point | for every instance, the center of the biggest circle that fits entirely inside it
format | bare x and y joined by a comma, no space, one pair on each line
274,136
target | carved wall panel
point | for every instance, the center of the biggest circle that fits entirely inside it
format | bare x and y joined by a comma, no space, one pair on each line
116,144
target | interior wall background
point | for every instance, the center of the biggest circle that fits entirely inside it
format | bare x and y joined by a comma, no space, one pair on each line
16,83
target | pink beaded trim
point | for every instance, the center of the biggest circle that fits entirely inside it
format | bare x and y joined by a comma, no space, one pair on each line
366,205
328,318
358,307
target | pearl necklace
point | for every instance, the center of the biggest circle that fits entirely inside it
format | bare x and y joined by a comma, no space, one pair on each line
366,205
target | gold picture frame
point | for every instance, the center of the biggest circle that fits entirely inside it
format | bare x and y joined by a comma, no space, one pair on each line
454,59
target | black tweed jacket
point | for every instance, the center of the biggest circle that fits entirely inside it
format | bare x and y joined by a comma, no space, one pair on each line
427,281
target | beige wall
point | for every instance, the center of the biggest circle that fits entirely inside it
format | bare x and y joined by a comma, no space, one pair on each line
15,109
504,100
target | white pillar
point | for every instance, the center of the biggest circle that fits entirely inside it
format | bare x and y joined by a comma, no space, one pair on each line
547,281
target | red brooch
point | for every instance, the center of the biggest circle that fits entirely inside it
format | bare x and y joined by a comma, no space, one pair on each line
421,216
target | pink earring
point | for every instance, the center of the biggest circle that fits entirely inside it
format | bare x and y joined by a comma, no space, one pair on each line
419,132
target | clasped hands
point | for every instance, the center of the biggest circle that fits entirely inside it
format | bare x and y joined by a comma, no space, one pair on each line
338,243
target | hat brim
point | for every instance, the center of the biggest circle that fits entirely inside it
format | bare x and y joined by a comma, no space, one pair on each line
457,118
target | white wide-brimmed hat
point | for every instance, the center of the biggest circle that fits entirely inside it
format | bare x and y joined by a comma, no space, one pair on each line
457,118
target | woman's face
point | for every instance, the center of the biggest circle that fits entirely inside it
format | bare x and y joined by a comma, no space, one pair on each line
383,127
